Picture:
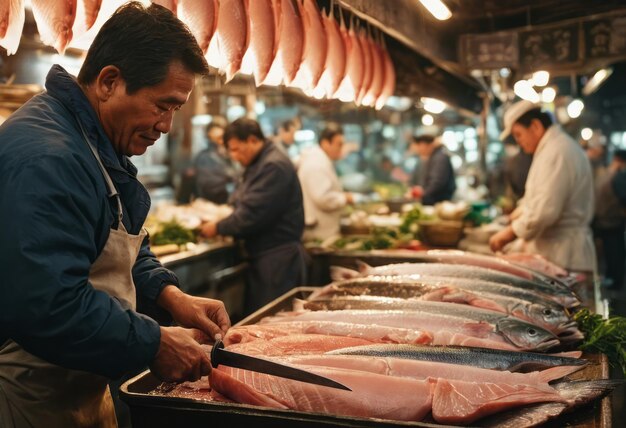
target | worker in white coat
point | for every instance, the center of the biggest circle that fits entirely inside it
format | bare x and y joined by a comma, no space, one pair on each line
324,197
554,216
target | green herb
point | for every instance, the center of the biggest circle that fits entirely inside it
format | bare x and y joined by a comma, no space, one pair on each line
172,232
411,218
607,336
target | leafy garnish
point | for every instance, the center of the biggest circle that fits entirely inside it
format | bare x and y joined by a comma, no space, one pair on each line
607,336
172,232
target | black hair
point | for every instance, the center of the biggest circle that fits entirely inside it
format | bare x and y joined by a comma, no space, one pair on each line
536,113
243,128
212,125
287,125
330,133
142,42
424,138
620,154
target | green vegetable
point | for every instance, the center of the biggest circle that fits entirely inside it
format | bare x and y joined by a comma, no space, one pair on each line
172,232
607,336
411,218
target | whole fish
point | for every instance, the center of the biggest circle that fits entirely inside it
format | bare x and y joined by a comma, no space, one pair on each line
54,19
11,24
495,359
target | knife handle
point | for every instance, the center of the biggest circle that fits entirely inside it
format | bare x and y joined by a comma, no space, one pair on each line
218,345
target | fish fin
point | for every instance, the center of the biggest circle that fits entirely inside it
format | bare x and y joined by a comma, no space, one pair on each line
363,267
568,354
558,372
337,273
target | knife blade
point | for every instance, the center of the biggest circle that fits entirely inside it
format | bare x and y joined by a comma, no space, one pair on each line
233,359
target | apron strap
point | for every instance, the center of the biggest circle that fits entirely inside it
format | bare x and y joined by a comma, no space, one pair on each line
112,190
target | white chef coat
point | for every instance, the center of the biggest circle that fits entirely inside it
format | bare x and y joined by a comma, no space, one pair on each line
558,204
323,194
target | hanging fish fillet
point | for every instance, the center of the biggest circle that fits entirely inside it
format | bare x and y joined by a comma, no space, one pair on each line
229,44
389,85
335,66
290,44
11,24
86,15
353,79
315,48
170,4
368,65
378,75
201,18
55,19
262,49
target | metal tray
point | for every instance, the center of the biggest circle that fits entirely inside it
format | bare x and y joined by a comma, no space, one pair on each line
153,411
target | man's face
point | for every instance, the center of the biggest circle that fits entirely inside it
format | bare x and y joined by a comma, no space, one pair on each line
216,134
423,150
333,147
134,122
288,136
244,151
528,138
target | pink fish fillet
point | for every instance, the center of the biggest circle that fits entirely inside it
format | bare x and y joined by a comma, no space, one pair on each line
315,48
169,4
54,19
378,76
86,15
374,333
353,79
335,66
261,51
389,85
11,24
372,395
229,44
201,18
368,65
290,44
297,344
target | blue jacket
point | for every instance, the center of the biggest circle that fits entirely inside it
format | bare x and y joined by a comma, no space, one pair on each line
437,178
54,222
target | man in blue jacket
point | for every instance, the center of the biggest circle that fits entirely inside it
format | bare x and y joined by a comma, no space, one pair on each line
73,255
435,175
268,215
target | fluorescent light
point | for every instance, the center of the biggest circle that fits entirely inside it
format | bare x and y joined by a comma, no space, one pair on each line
594,83
575,108
540,78
437,8
586,133
433,105
548,94
427,120
525,91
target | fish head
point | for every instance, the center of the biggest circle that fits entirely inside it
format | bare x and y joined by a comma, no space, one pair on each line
526,336
552,316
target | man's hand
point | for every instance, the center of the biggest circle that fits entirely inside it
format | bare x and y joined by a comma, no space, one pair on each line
207,315
349,198
180,356
500,239
209,229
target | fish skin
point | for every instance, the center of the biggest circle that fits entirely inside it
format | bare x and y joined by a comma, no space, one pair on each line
368,65
14,25
389,85
315,48
350,85
515,361
201,18
335,66
230,40
378,75
5,9
86,15
297,344
54,19
262,48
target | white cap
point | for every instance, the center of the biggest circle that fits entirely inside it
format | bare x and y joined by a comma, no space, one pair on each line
513,113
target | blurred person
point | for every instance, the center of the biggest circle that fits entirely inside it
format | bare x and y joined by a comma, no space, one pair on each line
553,217
215,173
286,135
382,172
268,215
516,169
596,153
74,257
608,222
434,176
324,198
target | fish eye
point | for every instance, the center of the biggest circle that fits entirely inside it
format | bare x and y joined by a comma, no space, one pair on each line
547,311
532,332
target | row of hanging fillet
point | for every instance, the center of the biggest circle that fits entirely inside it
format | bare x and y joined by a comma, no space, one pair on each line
286,42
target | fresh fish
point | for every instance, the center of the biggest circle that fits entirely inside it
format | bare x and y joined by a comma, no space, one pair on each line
230,41
201,18
335,67
378,75
373,333
54,19
503,333
535,262
562,295
11,24
496,359
389,84
315,48
86,15
353,79
368,66
290,43
261,51
576,393
297,344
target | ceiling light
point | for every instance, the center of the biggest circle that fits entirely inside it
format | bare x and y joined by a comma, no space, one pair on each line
505,72
575,108
548,95
540,78
525,91
586,133
427,120
437,8
433,105
594,83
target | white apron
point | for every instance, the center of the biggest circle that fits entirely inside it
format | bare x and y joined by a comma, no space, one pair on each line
35,393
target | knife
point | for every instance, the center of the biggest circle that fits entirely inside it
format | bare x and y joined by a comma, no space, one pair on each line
233,359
